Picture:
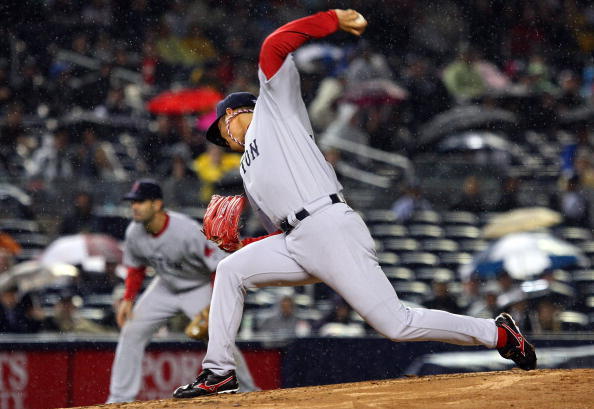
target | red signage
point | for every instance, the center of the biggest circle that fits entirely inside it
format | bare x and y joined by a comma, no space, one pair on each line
58,379
33,380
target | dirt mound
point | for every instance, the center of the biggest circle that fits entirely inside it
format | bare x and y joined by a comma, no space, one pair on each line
540,389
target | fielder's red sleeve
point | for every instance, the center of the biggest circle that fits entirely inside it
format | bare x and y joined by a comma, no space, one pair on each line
249,240
134,281
291,36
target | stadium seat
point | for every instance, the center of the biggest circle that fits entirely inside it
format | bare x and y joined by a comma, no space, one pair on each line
439,246
575,235
462,232
387,259
425,217
462,218
454,260
12,226
425,231
379,216
399,273
472,245
429,275
381,231
583,280
32,240
418,260
401,245
413,291
574,321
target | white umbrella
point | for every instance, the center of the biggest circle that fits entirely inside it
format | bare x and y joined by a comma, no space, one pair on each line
79,248
31,275
524,256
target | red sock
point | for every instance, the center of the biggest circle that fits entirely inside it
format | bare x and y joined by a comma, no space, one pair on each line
501,337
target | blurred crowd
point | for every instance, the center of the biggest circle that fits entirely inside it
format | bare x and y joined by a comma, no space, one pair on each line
77,78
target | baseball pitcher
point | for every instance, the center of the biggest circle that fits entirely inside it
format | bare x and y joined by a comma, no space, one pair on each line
174,245
294,189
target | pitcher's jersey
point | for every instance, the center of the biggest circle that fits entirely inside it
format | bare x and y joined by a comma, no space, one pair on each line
180,255
282,167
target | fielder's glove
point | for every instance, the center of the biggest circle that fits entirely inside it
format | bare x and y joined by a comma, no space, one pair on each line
198,328
221,221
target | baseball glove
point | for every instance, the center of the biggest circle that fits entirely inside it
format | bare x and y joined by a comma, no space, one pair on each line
221,221
198,328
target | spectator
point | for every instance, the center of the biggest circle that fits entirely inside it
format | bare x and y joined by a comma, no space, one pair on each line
91,159
570,97
441,299
461,78
572,203
211,167
547,317
6,259
81,218
181,185
12,135
508,200
427,95
19,313
54,160
340,323
412,200
284,322
486,306
471,199
367,65
66,318
154,146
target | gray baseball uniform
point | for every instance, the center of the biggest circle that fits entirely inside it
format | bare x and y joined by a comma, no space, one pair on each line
183,260
284,172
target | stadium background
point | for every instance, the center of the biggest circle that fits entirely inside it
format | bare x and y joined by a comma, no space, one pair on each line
443,116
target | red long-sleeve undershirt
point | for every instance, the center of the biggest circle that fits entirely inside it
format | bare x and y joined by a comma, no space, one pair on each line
291,36
134,280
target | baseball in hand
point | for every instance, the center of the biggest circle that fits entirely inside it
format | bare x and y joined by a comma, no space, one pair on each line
360,19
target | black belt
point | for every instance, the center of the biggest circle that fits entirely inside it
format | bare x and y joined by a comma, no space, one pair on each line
302,214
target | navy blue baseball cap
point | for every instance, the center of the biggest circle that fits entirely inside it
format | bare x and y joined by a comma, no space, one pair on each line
144,189
234,100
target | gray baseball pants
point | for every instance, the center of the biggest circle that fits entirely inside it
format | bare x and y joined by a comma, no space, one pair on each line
156,305
334,246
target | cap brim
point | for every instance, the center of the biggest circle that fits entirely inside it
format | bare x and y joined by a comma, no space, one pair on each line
214,135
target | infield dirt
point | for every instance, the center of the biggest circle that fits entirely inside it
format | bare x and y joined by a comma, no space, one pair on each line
540,389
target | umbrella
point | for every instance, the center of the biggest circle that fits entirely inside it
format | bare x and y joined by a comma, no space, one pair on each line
81,249
32,275
472,141
524,256
521,220
185,101
466,118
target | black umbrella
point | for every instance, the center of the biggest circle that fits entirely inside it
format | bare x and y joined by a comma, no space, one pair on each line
465,118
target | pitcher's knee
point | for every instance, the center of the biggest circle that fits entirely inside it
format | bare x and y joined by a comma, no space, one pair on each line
229,269
392,321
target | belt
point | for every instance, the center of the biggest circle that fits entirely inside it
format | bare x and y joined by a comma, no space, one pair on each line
286,226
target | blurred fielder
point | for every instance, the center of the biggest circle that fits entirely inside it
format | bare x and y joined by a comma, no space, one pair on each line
174,245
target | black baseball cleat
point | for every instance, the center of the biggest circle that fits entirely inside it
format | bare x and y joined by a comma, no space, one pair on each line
208,383
517,348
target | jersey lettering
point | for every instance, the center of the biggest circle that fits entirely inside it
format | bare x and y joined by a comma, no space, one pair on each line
251,153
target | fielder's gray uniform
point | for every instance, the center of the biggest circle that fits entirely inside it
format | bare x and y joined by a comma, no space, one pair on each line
183,260
284,172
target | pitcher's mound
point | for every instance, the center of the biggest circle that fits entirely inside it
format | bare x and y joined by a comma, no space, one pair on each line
540,389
